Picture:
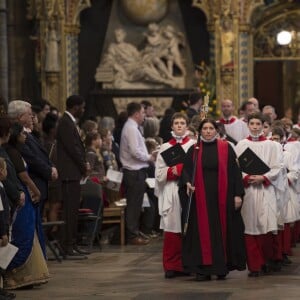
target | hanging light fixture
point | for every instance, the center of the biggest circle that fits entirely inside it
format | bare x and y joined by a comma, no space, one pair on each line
284,37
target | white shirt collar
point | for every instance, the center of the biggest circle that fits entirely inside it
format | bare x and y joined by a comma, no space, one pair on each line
132,121
28,130
71,116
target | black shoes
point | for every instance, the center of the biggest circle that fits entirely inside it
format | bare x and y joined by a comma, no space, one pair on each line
254,274
72,254
76,251
286,261
272,266
138,241
6,295
201,277
221,277
81,251
172,274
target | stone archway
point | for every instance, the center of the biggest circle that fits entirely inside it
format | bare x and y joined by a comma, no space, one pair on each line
277,67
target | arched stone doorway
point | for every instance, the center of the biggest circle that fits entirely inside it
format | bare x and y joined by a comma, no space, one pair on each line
277,67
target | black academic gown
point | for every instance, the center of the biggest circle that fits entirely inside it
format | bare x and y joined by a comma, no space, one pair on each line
223,224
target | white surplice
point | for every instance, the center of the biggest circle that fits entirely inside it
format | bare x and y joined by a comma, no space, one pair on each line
167,193
291,208
294,148
259,210
238,129
282,193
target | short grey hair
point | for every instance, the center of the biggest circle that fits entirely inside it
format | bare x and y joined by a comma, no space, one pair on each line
151,127
107,123
17,108
268,107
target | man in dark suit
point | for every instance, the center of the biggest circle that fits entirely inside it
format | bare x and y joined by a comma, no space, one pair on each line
72,167
40,168
194,106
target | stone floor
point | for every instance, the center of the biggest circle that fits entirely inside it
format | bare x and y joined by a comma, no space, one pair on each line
135,272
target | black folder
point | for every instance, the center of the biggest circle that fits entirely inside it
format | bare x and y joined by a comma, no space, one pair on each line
251,164
174,155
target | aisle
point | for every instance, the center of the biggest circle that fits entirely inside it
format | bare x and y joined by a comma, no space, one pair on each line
135,272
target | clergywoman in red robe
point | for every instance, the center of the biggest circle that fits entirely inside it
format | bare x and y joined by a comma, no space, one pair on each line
214,240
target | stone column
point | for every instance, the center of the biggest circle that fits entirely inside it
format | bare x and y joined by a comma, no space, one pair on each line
3,51
245,70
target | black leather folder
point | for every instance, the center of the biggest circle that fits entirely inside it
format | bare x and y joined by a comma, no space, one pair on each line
251,164
174,155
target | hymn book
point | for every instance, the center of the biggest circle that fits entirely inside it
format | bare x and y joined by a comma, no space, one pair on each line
251,164
174,155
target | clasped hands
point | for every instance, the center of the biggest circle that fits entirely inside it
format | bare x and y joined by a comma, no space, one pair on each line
256,179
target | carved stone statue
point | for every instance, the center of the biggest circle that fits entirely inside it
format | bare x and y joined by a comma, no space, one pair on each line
52,54
227,42
156,49
132,68
174,57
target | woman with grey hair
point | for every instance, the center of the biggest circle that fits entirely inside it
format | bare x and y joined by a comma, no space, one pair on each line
107,123
151,127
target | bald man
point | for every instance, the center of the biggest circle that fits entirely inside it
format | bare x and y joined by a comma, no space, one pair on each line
255,103
234,127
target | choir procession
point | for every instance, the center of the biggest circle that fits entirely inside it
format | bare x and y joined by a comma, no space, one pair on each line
258,189
225,193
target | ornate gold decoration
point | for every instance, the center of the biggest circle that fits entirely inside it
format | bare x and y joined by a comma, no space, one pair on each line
245,9
34,9
79,7
52,77
72,29
53,24
55,8
236,15
227,77
45,9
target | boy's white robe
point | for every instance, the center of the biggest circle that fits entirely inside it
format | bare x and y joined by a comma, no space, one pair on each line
291,207
238,129
294,148
167,193
259,210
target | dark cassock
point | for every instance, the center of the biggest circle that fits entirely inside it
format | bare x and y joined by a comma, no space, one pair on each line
214,241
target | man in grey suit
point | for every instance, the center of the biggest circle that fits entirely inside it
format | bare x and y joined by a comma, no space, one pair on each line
72,167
